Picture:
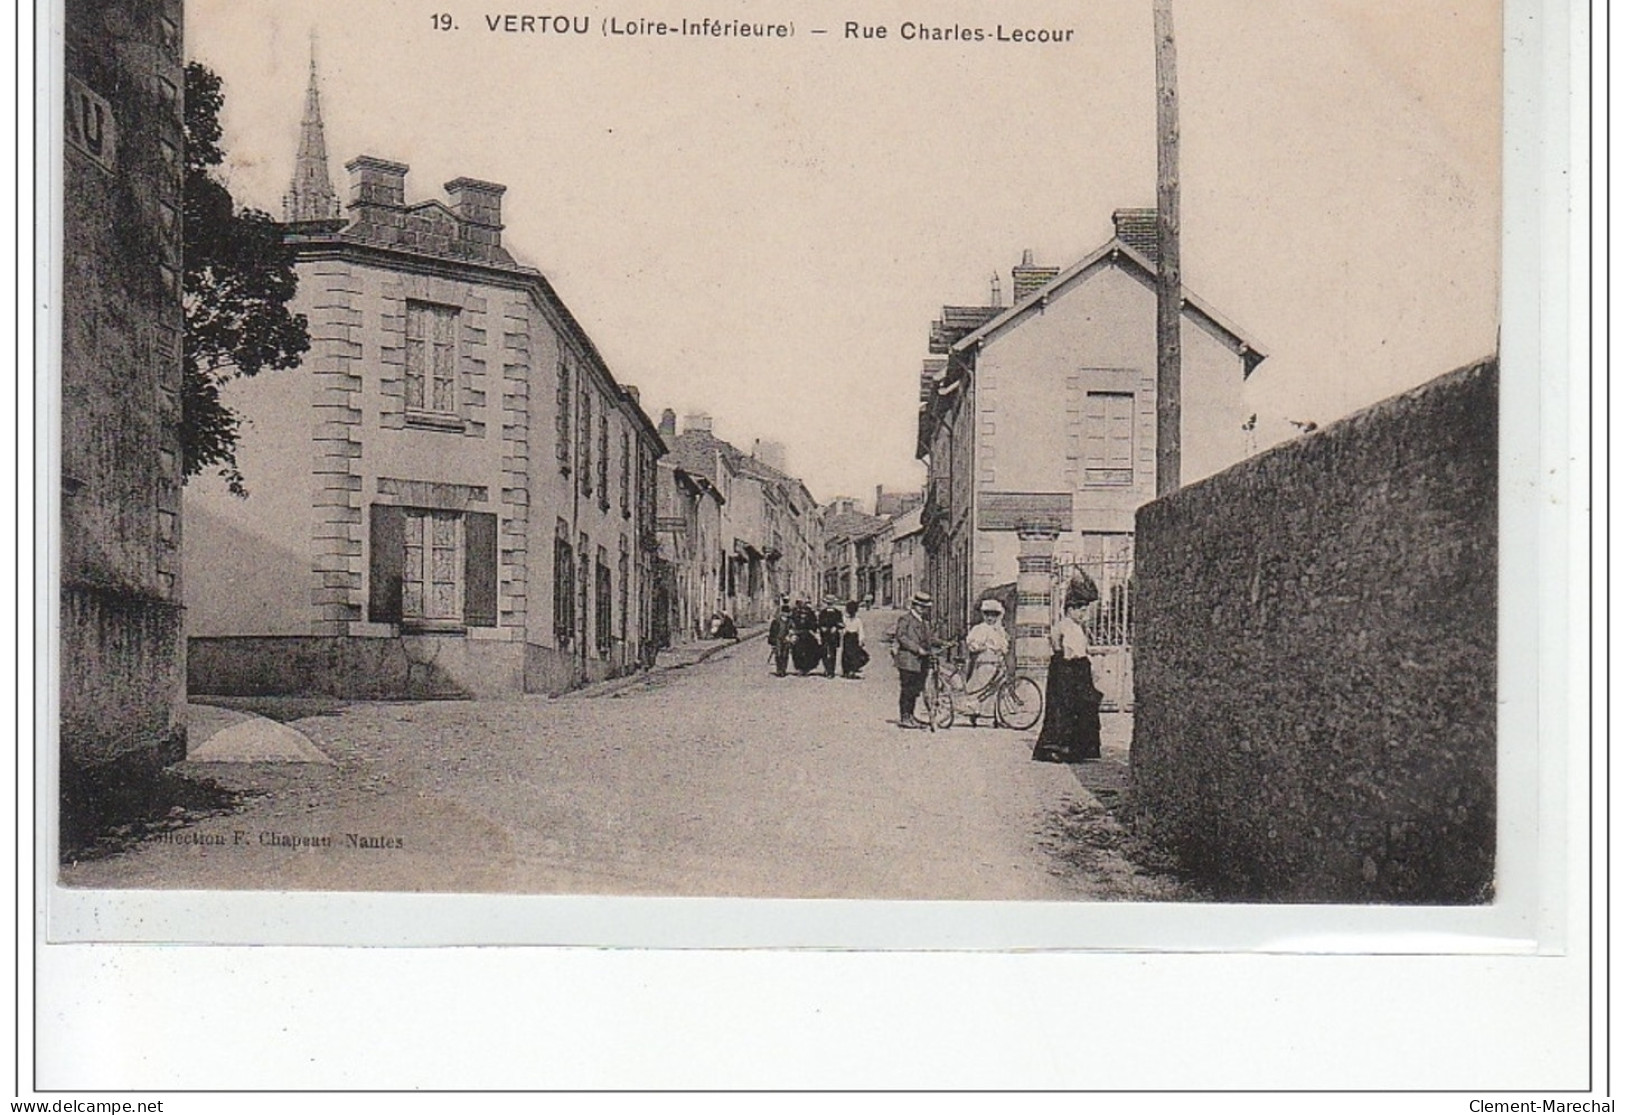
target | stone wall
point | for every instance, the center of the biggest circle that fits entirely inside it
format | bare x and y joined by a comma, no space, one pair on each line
1315,656
122,323
413,667
122,656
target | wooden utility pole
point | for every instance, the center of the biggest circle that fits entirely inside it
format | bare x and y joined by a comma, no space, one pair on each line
1168,285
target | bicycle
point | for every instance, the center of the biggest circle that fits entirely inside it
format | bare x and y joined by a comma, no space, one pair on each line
939,706
1018,702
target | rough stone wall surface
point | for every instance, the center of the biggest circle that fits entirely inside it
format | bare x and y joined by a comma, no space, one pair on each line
413,667
121,377
122,655
1315,659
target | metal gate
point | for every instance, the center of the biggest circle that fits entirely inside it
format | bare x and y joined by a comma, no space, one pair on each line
1111,650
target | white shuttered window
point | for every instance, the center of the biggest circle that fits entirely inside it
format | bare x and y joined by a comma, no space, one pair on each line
1108,437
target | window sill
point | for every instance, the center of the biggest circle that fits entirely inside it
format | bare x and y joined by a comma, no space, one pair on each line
431,420
433,627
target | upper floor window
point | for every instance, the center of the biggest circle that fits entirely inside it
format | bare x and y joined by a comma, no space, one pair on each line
1108,437
585,440
603,458
431,358
564,400
626,474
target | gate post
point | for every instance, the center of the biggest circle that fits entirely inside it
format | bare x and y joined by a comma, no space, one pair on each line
1035,580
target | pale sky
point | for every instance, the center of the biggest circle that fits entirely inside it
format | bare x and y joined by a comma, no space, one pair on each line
764,229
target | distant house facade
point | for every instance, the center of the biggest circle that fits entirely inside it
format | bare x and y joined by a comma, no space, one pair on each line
890,504
850,571
1040,417
452,496
692,562
908,571
121,653
769,526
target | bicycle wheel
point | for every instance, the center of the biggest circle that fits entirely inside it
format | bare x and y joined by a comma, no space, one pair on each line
1019,704
939,705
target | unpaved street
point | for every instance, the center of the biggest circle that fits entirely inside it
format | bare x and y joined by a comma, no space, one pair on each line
715,779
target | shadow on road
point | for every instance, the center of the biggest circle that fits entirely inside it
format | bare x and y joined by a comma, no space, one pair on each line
104,815
283,710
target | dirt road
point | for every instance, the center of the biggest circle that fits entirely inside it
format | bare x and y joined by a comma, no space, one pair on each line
716,779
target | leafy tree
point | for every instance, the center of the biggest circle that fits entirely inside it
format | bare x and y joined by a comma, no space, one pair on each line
239,277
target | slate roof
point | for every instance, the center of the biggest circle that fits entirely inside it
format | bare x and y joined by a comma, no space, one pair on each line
698,451
851,524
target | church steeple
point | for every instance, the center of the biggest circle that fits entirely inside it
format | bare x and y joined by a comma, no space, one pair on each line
311,196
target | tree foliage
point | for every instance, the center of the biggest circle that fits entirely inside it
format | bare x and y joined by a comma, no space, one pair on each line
239,278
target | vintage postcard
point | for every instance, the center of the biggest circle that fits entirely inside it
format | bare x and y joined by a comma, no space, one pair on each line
1022,456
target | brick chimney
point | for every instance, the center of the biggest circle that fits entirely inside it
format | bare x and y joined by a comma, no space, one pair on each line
376,182
1025,278
696,423
668,423
1138,229
479,206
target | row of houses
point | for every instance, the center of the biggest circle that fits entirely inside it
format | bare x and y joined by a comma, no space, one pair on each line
454,494
874,558
737,532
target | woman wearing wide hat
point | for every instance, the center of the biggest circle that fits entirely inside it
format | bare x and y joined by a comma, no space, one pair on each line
1071,731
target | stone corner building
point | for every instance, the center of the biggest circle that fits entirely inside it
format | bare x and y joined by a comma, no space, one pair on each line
452,496
121,654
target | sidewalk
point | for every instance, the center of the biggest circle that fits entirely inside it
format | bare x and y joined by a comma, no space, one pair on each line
679,657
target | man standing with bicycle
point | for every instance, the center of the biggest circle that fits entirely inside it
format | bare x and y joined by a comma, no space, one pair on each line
914,647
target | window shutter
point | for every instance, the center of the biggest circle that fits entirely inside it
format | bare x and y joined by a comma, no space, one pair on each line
388,560
480,569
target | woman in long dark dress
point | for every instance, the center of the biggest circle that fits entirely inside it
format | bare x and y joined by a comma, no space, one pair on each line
1071,731
806,649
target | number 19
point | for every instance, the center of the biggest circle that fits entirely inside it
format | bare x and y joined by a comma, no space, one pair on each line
441,21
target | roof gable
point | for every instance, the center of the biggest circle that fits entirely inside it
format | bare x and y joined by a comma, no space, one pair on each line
1115,253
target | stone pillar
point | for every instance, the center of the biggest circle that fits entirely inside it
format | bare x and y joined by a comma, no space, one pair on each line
1035,582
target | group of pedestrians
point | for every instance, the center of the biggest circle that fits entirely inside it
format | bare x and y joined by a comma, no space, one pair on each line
826,638
832,638
1071,728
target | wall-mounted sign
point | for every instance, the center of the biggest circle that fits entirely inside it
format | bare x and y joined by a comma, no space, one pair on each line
90,124
1024,511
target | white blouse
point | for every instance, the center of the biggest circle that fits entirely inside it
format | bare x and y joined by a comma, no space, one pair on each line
1069,638
852,625
986,637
